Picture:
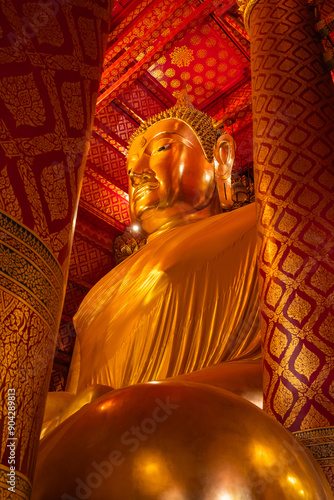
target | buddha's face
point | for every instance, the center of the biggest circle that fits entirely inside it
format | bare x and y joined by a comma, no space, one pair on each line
170,177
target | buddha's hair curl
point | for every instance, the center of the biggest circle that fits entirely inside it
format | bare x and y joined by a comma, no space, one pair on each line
199,122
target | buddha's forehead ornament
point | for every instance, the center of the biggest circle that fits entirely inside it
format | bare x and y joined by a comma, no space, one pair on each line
201,124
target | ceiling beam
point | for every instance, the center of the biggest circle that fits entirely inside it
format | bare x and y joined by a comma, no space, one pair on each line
150,26
124,17
105,181
218,95
156,90
123,107
237,25
130,36
219,100
108,136
239,41
90,167
97,237
174,28
101,217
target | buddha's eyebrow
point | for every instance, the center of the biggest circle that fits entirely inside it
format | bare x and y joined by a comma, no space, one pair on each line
163,135
143,142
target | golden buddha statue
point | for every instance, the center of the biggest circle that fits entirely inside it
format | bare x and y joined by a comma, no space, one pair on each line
184,307
187,299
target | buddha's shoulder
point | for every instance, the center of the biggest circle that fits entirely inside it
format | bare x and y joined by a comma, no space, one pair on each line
199,242
219,243
230,226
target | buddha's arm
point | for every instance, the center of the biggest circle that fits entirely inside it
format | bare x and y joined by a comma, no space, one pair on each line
243,378
61,405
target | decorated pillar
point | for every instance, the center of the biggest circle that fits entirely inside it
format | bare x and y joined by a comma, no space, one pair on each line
51,55
293,112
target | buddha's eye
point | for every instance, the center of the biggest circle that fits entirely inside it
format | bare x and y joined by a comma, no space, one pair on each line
162,148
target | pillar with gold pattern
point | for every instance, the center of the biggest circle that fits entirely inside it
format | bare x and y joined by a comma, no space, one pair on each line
293,110
51,55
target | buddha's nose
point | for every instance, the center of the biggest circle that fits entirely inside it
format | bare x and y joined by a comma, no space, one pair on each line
140,176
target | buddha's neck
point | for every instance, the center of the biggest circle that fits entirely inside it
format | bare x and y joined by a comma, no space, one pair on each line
182,220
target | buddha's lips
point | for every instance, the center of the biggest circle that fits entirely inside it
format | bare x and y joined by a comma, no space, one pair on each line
142,188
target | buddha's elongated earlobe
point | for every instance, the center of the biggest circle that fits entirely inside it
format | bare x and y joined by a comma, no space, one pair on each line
224,155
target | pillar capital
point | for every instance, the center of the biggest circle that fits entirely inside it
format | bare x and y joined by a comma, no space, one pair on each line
246,7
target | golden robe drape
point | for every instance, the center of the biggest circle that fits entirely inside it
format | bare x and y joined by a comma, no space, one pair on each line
186,300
